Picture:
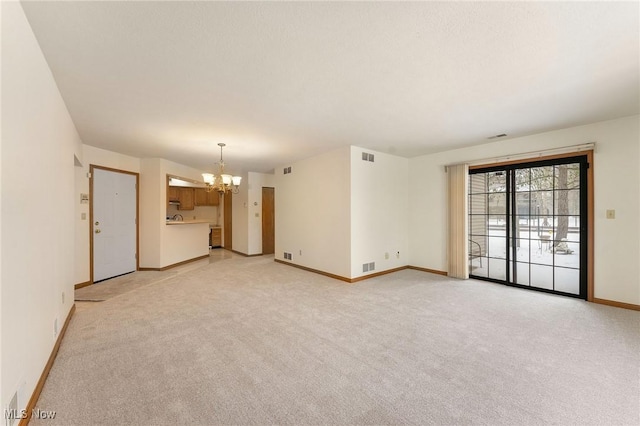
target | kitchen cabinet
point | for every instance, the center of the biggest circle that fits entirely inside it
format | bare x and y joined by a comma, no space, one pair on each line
172,193
187,201
204,198
215,237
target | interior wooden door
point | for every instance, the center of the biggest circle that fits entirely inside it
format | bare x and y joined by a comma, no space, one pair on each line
268,220
228,240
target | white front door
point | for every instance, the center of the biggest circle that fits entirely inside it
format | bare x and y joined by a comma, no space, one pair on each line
114,224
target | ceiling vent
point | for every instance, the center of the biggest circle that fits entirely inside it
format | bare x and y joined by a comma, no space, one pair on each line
501,135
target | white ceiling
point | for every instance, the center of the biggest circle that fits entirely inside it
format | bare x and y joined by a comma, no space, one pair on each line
281,81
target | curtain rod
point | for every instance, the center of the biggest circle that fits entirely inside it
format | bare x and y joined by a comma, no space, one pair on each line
528,155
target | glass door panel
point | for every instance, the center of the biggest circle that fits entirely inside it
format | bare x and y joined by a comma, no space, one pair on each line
526,225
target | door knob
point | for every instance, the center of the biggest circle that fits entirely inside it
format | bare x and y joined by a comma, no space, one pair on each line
97,231
97,223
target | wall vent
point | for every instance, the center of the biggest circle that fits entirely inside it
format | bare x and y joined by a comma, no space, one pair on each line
287,256
368,267
367,157
287,170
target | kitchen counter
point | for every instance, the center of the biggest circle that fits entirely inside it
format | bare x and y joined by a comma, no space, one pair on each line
185,222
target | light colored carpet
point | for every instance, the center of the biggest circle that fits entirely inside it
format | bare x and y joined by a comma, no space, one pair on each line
251,341
107,289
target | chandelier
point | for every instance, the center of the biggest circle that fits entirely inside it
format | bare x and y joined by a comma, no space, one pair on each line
222,183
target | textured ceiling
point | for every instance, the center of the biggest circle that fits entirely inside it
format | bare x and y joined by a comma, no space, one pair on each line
280,81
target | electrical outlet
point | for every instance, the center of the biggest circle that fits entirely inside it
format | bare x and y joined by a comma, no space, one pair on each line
611,214
398,255
386,256
83,216
55,328
63,297
300,252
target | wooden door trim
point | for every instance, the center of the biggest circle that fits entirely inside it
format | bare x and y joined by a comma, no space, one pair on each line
590,228
93,167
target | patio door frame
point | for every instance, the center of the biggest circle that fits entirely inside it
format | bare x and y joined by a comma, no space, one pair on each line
588,155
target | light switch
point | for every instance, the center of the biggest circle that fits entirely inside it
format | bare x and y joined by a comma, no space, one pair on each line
83,216
611,214
257,214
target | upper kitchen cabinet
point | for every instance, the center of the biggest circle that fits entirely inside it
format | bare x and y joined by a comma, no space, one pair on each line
187,199
182,192
173,195
204,198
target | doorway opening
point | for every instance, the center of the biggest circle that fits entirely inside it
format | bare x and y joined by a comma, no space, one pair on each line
529,225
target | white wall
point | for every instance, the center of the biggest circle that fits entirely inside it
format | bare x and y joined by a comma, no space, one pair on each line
160,244
616,186
184,242
37,218
240,218
153,198
97,157
379,211
313,212
256,181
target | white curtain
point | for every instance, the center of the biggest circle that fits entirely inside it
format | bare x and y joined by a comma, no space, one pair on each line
458,244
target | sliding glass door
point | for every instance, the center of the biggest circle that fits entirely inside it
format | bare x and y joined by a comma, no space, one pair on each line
527,225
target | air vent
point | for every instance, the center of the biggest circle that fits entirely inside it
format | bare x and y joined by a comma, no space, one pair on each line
367,157
502,135
287,170
368,267
287,256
